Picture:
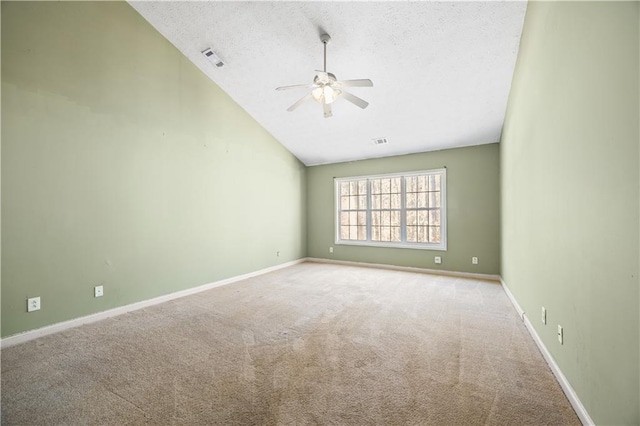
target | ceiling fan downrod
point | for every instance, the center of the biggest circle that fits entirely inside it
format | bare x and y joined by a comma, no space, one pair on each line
325,39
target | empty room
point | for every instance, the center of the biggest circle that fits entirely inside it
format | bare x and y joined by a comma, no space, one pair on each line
320,213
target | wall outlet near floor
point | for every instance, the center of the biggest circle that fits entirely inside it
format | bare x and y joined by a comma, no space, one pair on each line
98,291
437,259
560,334
544,315
33,304
330,249
474,260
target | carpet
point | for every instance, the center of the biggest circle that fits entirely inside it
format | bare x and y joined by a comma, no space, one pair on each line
310,344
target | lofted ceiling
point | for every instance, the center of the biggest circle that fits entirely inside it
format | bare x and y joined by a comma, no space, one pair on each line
441,70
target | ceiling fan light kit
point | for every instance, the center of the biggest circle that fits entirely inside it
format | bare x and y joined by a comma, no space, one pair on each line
326,88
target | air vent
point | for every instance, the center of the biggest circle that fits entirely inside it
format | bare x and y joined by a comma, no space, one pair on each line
380,141
213,58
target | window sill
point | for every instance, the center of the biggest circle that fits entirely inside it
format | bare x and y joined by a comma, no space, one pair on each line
437,247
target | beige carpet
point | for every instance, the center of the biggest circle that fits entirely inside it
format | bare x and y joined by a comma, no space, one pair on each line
310,344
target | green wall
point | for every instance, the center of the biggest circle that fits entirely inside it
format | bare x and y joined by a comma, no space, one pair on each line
124,165
570,195
473,210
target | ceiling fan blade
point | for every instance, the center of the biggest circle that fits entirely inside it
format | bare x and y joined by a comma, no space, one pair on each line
355,100
327,110
300,102
364,82
297,86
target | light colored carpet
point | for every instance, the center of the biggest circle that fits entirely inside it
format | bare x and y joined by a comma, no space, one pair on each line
310,344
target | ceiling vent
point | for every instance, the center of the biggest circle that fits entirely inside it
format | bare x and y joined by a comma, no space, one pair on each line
380,141
213,58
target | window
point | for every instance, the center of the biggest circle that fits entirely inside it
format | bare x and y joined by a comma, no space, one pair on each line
395,210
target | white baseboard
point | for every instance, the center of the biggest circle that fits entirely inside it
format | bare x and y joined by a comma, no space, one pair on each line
582,413
513,300
65,325
58,327
407,269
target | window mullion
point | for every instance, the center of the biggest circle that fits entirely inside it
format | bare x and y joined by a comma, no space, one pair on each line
403,215
368,209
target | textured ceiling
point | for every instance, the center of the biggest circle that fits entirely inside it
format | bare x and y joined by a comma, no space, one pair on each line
441,71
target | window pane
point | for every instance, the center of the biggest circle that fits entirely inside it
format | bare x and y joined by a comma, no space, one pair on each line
344,188
423,235
344,232
422,183
353,202
411,234
422,199
353,218
362,233
385,186
434,199
344,203
362,202
375,201
362,187
386,218
353,188
434,183
395,218
375,218
411,217
386,202
385,233
362,218
411,201
344,218
375,186
434,217
434,234
353,232
375,233
395,185
423,217
395,201
412,184
395,234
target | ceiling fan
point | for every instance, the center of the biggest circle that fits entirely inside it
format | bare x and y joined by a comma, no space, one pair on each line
326,88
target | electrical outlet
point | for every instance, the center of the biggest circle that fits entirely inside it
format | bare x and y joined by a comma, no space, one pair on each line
278,253
33,304
330,249
98,291
437,259
474,260
544,315
560,334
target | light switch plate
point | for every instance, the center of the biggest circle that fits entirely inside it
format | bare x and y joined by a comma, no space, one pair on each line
560,334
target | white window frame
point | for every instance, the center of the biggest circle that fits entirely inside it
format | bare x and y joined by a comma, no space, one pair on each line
441,246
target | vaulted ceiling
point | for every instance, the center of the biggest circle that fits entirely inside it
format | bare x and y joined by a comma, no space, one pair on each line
441,70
